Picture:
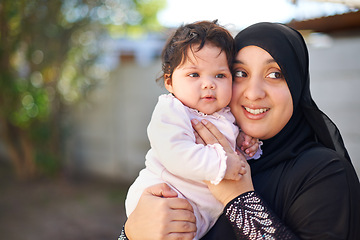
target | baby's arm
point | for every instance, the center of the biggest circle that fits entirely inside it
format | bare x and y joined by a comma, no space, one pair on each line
249,145
173,144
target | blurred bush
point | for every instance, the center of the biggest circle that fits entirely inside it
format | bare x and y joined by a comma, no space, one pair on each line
50,58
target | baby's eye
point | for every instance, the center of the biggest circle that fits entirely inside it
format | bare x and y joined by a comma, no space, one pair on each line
275,75
193,75
220,75
240,74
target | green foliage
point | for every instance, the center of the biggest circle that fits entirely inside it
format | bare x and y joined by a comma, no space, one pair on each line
50,58
47,163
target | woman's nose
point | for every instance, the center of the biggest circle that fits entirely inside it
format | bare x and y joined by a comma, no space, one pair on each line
208,83
254,89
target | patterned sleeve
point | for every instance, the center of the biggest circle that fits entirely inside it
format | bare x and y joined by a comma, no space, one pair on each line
122,235
251,219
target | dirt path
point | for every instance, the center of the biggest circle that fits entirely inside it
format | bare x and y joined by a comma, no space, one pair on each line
60,209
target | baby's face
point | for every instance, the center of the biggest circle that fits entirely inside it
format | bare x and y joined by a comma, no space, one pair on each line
203,81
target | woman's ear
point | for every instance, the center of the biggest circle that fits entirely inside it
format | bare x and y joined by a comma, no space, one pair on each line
168,82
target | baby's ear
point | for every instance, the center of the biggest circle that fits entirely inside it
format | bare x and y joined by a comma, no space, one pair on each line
168,82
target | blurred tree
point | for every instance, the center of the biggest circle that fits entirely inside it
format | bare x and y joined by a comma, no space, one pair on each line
49,58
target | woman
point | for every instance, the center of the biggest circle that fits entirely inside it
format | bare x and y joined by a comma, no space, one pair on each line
304,185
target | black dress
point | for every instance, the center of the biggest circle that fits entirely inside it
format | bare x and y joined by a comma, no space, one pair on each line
304,199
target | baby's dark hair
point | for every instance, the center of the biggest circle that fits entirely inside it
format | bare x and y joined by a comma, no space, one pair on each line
198,33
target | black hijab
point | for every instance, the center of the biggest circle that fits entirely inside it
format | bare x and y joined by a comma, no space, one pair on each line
290,173
308,126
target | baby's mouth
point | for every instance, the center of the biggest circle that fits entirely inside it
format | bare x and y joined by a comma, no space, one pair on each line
208,97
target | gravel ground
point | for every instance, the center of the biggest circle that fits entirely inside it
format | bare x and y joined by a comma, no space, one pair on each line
60,209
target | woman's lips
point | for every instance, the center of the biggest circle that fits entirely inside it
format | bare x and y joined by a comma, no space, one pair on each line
256,111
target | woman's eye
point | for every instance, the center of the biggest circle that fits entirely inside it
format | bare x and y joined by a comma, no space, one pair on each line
275,75
193,75
220,75
240,74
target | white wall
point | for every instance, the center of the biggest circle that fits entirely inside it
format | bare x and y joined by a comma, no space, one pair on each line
335,85
109,136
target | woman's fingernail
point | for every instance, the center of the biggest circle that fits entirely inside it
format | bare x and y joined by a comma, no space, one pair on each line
194,121
204,121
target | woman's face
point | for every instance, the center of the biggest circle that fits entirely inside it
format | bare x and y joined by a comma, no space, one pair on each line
261,100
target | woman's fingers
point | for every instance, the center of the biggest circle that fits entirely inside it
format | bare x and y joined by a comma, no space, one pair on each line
210,134
198,139
170,216
161,190
204,133
184,219
180,204
180,236
181,220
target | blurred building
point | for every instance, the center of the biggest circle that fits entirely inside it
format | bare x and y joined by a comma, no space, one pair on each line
334,49
109,137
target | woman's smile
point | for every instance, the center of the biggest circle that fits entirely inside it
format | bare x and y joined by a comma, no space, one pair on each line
256,111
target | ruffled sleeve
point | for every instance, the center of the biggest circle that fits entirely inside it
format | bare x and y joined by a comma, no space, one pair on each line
252,219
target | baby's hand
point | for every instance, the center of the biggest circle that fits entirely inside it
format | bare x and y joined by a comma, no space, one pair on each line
235,166
247,144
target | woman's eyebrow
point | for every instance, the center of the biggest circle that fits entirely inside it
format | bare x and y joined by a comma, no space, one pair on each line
271,61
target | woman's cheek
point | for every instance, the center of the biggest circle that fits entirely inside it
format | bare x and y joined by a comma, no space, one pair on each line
235,106
235,98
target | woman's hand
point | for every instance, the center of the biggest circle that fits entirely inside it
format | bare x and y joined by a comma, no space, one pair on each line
226,190
161,215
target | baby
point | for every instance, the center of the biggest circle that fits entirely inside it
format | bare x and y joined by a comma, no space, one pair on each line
196,68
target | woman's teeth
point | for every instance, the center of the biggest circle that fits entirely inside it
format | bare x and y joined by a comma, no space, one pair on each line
256,111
